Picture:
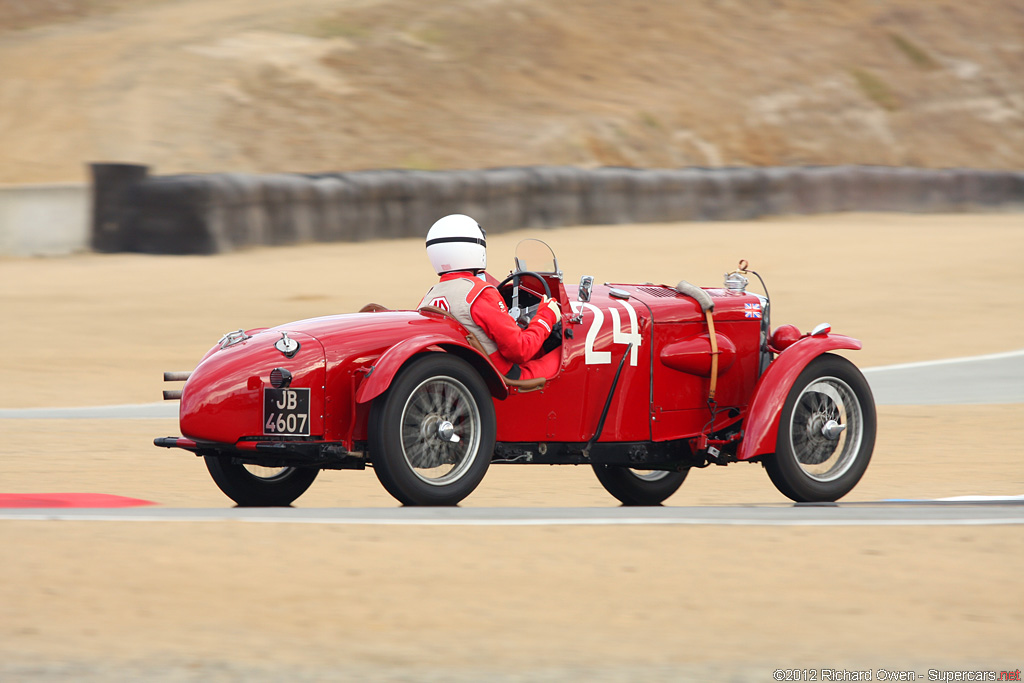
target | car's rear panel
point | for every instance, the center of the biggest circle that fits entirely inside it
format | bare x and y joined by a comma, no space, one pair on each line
224,398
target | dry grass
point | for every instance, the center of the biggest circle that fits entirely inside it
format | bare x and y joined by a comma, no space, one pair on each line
875,89
912,51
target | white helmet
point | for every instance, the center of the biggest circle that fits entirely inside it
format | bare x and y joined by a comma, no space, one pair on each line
457,242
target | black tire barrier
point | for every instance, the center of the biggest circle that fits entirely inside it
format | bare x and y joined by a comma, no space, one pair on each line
681,194
748,199
334,209
171,216
818,189
553,196
111,207
607,196
207,214
238,210
777,184
505,198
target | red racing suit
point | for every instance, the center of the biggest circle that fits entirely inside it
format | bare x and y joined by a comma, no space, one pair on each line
481,310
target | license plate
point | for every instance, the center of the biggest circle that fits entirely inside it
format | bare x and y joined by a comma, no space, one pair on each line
286,411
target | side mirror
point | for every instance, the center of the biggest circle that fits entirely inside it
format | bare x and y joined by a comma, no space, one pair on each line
586,284
583,295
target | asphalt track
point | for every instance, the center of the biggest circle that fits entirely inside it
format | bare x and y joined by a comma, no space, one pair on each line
994,511
996,378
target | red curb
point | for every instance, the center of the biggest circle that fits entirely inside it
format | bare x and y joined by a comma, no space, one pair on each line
68,500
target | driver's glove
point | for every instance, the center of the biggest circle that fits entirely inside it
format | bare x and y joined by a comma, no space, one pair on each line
553,305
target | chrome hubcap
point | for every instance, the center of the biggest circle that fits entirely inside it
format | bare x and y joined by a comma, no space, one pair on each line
832,430
446,432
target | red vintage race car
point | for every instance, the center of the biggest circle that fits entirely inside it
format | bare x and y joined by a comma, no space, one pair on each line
654,380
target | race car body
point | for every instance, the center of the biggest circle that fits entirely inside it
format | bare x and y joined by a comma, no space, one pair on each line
653,380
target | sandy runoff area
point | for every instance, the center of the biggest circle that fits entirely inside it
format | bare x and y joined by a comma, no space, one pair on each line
235,601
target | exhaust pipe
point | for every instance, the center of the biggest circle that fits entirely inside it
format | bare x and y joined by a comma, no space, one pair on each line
176,376
174,394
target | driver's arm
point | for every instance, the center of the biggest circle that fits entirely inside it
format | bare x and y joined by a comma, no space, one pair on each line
515,344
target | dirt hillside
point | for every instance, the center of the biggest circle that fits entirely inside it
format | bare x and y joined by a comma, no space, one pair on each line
307,85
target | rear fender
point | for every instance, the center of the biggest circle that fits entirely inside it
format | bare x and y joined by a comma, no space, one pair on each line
391,361
761,426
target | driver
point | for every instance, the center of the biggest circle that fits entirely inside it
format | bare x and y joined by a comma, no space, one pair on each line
457,248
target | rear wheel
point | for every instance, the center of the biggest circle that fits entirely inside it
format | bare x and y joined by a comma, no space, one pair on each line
432,433
639,487
826,432
255,486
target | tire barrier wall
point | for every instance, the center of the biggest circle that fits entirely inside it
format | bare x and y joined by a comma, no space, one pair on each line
205,214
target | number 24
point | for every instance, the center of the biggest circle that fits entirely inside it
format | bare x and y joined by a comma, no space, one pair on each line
633,337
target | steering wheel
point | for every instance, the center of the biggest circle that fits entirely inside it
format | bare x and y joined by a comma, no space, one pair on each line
519,273
555,338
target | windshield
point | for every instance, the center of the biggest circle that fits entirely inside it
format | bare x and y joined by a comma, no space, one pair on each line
536,256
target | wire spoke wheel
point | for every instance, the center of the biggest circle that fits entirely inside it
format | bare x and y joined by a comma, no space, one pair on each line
427,442
649,475
826,428
639,487
257,486
826,432
432,432
268,473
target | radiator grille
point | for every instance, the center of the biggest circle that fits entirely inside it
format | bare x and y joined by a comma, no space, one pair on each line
659,291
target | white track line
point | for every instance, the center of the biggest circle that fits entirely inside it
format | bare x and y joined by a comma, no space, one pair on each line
945,361
980,499
139,411
991,521
807,518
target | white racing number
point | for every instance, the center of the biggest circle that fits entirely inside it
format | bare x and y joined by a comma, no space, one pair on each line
594,357
286,411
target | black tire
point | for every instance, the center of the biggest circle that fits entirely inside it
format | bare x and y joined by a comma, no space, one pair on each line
813,462
252,486
639,487
411,458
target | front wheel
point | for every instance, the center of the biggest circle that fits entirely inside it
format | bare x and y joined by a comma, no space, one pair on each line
255,486
826,432
432,433
639,487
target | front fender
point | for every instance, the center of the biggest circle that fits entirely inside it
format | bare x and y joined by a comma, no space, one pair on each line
761,426
391,361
